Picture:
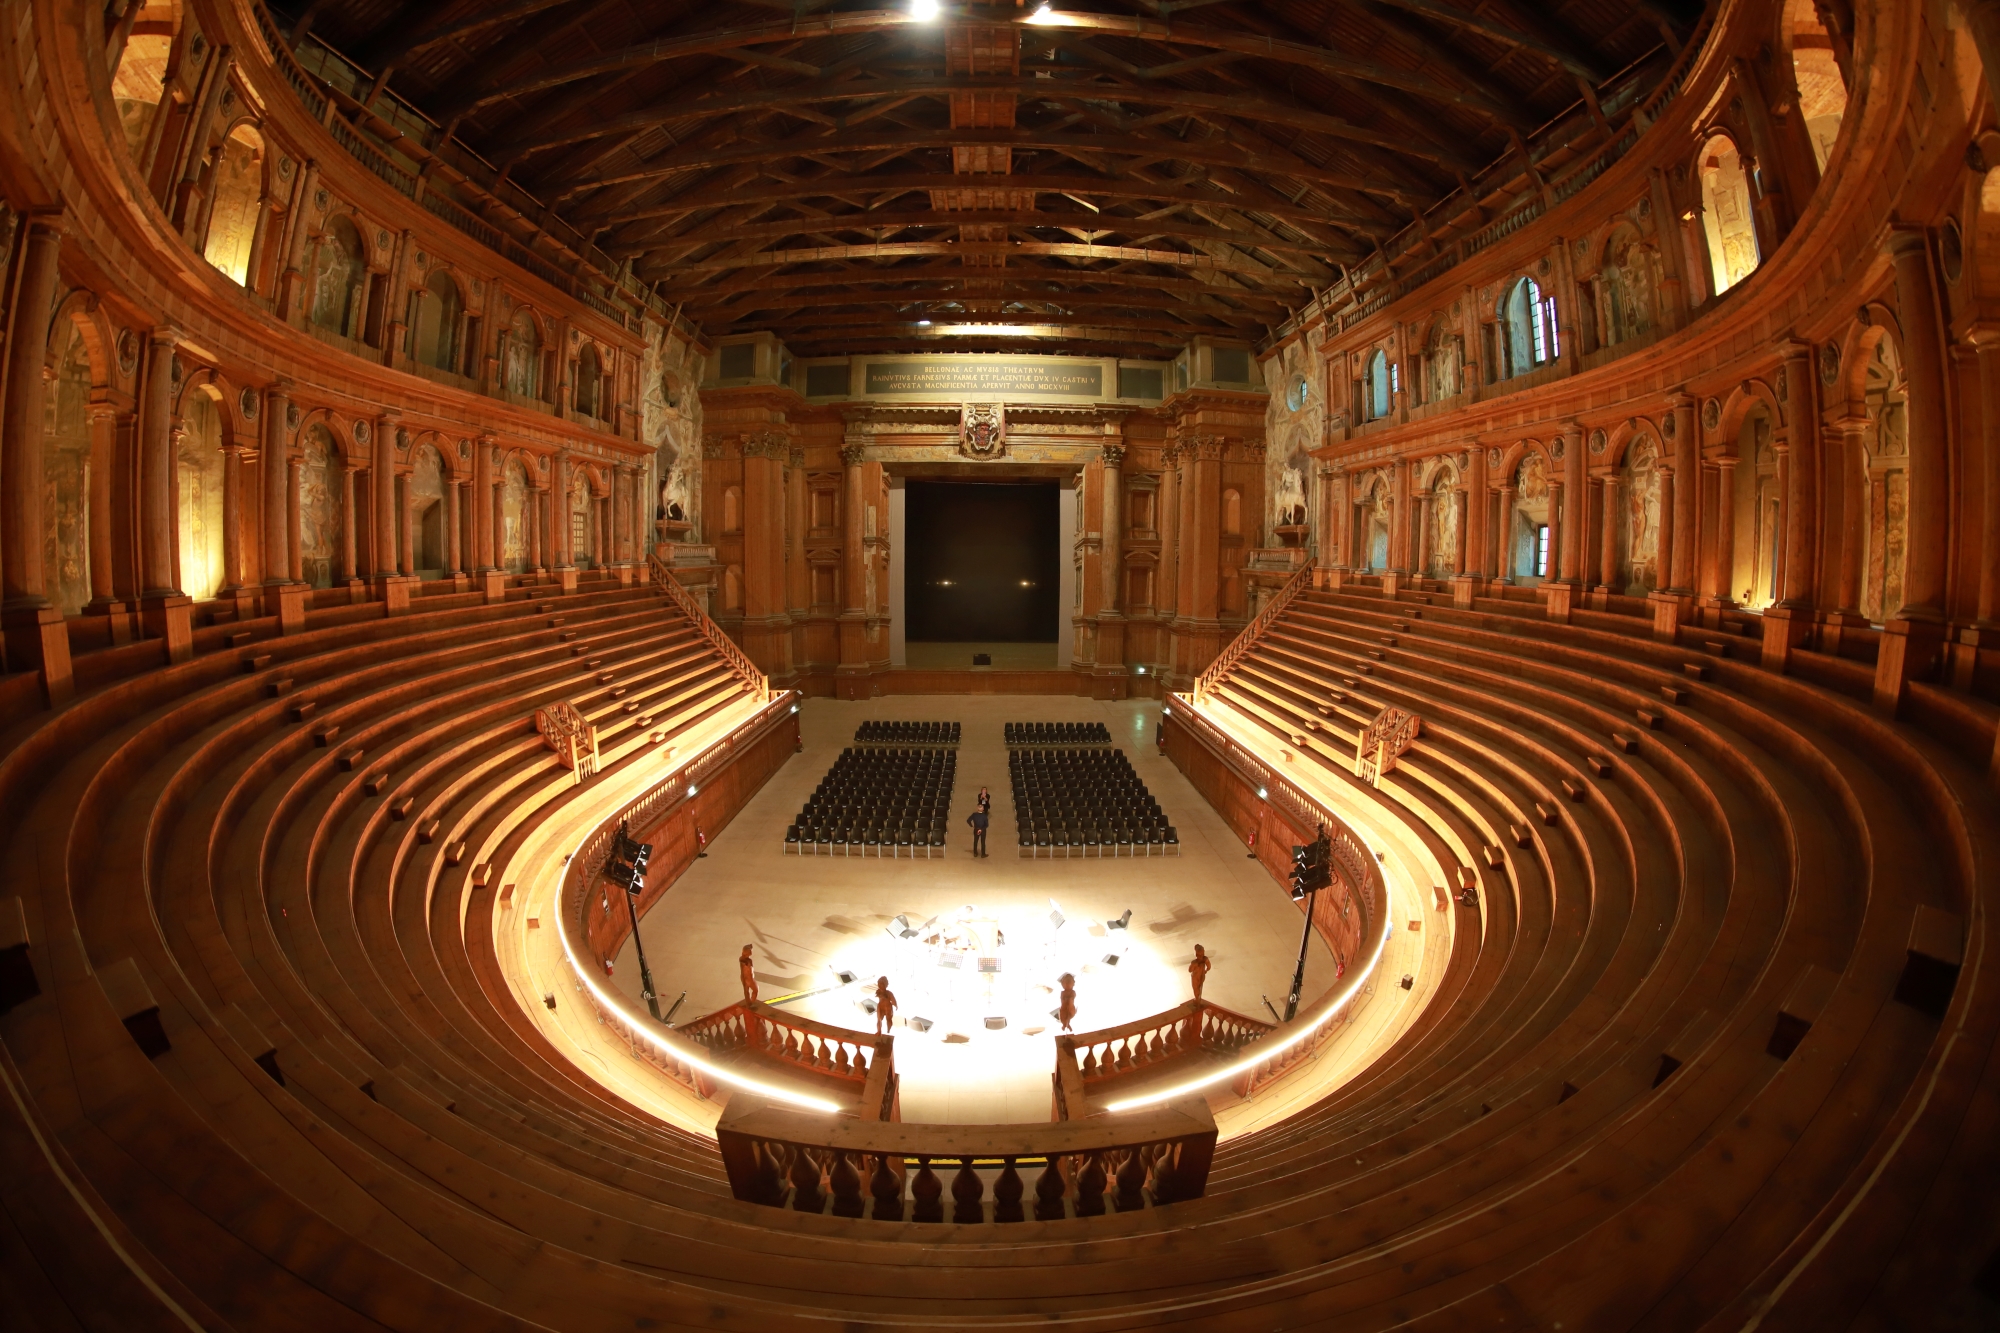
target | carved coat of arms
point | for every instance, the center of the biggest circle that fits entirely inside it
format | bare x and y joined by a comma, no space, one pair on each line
982,430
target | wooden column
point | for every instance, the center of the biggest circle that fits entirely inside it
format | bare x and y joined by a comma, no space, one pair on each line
1554,569
406,546
1399,517
1667,534
559,524
1986,340
1801,493
1607,560
276,476
1166,591
482,535
294,556
349,521
156,470
23,573
384,516
454,565
1504,531
1476,503
232,516
103,452
1725,532
1679,573
1924,363
1458,500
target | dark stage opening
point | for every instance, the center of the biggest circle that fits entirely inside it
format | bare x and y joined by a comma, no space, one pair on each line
981,561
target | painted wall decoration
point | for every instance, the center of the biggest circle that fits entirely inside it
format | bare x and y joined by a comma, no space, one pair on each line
1886,453
1639,529
670,422
66,477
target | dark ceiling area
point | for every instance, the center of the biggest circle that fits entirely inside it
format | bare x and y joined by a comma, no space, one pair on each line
1103,178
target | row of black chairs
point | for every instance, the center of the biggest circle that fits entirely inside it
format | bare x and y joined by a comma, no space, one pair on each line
1057,733
906,733
1085,802
878,801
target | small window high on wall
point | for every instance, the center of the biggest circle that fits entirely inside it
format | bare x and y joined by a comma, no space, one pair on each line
1726,217
1541,550
1530,336
1817,70
1377,387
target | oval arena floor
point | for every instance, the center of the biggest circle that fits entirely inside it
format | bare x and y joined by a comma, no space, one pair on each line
1712,1049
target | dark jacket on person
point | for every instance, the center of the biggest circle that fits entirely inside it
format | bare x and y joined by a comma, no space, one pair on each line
977,819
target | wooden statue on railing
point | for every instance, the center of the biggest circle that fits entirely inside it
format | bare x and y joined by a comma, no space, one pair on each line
1066,1005
885,1006
570,734
1198,970
747,967
1381,741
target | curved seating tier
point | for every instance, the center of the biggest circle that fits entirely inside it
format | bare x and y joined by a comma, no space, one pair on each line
1712,1050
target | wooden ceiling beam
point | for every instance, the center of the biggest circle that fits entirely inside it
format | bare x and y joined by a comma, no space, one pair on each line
1005,251
1106,224
945,281
717,41
944,138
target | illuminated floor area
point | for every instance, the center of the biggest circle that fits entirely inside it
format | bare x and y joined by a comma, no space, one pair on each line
810,917
958,656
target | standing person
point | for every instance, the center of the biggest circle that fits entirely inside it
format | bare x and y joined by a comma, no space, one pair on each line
1198,969
885,1006
1066,1008
985,801
978,820
748,970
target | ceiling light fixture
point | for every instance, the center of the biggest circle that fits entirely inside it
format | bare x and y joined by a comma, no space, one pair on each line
923,11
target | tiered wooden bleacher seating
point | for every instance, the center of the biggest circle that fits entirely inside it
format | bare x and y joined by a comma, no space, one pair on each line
1712,1049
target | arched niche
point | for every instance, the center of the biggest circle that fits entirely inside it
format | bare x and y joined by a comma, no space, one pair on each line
198,491
1818,61
1759,531
1377,393
340,279
514,516
1532,556
582,520
1442,519
1727,222
428,532
521,357
66,470
1529,336
322,497
237,187
437,312
139,83
1628,286
1443,362
589,382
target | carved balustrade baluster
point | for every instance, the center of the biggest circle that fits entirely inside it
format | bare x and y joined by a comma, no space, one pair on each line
1090,1186
1090,1062
1049,1190
1131,1179
967,1190
768,1180
887,1189
846,1184
1007,1193
840,1065
927,1193
806,1195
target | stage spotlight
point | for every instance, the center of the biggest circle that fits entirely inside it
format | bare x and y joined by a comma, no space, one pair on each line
1120,923
923,10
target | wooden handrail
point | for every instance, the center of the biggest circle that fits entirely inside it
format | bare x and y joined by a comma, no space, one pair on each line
1233,652
812,1164
1158,1043
738,660
819,1049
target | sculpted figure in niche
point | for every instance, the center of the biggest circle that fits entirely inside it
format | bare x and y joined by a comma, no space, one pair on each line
1444,357
319,507
514,518
66,476
1444,520
340,271
1630,285
1885,459
1639,534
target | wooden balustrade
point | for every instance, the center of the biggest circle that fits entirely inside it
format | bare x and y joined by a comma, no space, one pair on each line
738,661
890,1171
1233,651
1177,1039
820,1051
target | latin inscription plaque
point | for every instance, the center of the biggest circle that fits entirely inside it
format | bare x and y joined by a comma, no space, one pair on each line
1056,379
